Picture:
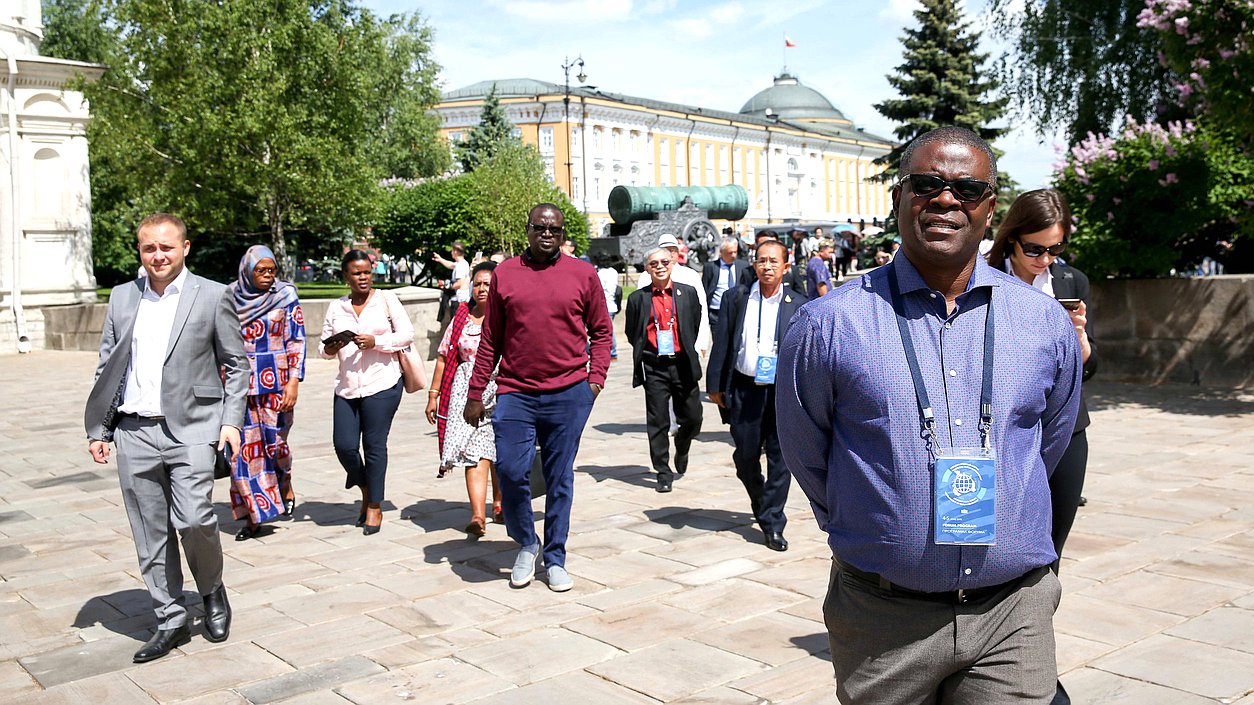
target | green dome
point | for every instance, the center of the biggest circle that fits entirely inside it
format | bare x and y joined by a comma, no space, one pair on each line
789,100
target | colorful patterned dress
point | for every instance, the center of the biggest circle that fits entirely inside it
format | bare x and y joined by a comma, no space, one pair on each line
275,345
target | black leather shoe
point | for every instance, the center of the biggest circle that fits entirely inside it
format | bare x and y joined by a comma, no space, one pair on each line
248,531
162,643
361,518
679,474
663,483
289,506
217,615
776,541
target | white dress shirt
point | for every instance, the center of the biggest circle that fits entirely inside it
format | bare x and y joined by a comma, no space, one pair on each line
367,372
1043,281
150,341
684,274
725,281
750,346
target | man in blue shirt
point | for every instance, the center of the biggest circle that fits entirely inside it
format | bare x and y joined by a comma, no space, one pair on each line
893,414
818,276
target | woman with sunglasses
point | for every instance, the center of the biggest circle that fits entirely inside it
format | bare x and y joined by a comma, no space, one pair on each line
1032,237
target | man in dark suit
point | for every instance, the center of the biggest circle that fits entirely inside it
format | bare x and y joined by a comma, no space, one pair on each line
741,378
662,324
721,275
170,392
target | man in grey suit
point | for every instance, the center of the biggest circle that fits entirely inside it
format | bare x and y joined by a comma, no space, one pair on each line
160,398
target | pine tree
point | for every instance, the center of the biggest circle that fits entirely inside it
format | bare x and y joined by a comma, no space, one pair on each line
485,139
941,82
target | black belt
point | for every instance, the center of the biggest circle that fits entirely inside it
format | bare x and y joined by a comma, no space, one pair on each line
953,597
129,415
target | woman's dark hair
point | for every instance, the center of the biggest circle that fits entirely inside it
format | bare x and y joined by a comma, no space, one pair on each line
353,256
1032,212
482,267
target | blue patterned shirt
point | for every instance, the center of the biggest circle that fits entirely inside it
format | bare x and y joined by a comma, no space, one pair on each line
851,435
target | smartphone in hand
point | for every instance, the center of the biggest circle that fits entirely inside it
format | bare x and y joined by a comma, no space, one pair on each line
1070,304
344,336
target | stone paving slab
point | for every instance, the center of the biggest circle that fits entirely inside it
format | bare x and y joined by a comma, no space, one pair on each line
676,599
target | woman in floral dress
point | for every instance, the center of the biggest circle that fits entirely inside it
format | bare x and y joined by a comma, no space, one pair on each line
273,326
463,445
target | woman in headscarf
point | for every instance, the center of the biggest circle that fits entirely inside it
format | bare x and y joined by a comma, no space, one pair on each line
273,326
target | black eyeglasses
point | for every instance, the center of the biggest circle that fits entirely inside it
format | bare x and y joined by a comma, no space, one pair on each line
929,186
555,229
1034,250
265,270
659,263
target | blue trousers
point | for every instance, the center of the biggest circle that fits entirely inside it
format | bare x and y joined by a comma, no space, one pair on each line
555,420
366,420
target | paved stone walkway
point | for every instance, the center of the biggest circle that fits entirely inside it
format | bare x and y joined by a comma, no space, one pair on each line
676,600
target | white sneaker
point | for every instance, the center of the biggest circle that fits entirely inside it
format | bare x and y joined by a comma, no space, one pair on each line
524,566
559,579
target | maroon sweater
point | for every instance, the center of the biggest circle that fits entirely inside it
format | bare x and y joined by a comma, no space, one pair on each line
540,321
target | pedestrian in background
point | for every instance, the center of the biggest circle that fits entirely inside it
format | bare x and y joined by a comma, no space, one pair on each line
548,328
722,274
662,324
818,272
273,328
1029,245
364,331
741,377
463,445
613,292
683,275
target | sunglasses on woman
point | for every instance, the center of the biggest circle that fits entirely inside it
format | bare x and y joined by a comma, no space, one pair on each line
1034,250
928,186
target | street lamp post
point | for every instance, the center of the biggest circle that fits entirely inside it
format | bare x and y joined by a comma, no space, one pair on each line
567,65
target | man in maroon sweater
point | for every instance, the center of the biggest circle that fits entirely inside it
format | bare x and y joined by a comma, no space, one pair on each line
548,326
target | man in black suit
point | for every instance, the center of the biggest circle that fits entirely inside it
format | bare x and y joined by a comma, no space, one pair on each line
741,378
662,324
722,274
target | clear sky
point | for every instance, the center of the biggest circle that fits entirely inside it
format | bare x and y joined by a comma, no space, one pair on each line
709,53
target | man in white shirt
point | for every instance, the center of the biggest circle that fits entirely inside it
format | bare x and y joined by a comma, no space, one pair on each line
159,396
459,280
741,379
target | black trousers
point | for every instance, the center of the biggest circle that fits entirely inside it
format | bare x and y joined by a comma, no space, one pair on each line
754,431
667,381
367,420
1065,487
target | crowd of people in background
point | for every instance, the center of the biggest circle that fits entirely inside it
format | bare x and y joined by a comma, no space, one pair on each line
887,428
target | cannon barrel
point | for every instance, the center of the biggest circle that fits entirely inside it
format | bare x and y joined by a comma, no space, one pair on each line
631,203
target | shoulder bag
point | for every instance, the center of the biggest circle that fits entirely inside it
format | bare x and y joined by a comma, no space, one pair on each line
413,371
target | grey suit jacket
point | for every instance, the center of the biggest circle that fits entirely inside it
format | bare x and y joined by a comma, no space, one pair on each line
205,338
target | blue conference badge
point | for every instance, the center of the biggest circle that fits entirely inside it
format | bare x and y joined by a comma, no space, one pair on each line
966,497
765,370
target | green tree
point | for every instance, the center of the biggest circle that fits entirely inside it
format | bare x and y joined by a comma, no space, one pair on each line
77,30
507,185
1082,65
254,118
941,82
485,139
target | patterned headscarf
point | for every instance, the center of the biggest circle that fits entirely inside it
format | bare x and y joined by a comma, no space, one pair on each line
252,303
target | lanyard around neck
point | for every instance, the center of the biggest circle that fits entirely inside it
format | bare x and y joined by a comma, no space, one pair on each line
653,313
926,415
761,300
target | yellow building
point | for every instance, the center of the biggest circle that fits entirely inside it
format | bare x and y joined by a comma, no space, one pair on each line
795,154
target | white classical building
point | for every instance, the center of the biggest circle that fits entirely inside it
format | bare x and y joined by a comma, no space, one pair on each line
797,156
45,202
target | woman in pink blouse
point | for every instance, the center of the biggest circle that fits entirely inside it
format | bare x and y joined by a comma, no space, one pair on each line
372,327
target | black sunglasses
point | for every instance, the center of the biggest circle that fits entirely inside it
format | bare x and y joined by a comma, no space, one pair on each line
1034,250
555,229
928,186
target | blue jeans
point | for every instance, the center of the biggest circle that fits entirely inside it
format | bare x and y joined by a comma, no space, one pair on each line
555,420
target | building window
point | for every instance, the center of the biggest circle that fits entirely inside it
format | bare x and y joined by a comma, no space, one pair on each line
596,137
546,140
576,192
574,138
